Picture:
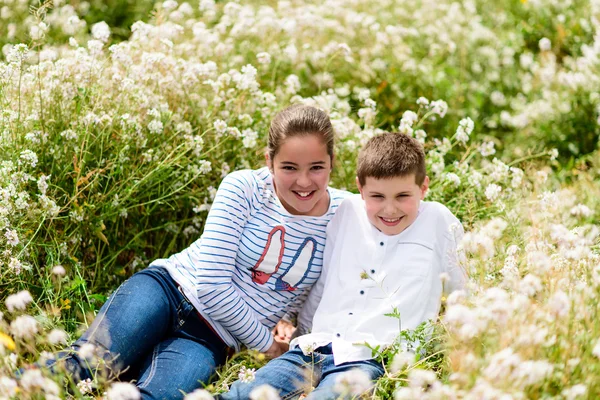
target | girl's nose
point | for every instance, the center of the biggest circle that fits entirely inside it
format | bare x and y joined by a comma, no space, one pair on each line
303,180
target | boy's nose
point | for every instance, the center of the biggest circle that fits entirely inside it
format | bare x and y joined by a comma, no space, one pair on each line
390,209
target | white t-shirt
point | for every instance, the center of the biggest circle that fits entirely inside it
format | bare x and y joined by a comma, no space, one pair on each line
368,274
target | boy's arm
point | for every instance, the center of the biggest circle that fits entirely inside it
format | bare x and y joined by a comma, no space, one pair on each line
454,267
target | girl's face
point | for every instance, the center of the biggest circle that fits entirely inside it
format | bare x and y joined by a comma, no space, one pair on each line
300,172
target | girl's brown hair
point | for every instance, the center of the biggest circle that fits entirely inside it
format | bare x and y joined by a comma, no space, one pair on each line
299,120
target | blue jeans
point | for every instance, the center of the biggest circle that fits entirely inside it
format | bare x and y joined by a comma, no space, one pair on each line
148,331
293,374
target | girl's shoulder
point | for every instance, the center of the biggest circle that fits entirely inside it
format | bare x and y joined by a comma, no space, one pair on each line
337,196
249,180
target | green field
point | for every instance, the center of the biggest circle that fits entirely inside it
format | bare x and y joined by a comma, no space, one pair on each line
119,119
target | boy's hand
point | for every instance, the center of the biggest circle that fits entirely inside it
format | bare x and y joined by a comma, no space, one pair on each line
276,349
283,331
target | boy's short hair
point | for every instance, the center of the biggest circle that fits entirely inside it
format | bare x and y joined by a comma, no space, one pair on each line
389,155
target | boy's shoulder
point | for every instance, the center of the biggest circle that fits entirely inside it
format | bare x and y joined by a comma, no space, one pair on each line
437,209
434,215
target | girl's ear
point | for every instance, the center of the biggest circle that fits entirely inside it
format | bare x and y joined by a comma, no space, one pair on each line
269,161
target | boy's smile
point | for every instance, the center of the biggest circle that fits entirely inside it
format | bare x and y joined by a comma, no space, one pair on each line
392,204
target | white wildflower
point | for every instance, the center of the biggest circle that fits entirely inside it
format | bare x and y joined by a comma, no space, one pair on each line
492,191
30,157
371,104
498,98
8,387
545,44
420,135
42,184
581,210
24,326
560,303
57,336
263,58
155,126
87,352
292,84
12,237
85,386
487,148
530,285
439,107
249,137
402,360
575,392
410,117
553,154
452,178
15,265
405,128
422,101
220,126
421,378
596,349
59,270
246,375
353,382
32,379
18,301
199,394
464,130
38,31
122,391
264,392
101,31
205,167
169,5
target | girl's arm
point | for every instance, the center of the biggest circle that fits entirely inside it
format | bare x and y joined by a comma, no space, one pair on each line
307,313
214,258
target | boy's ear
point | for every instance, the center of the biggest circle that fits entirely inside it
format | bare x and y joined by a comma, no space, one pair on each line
360,188
424,187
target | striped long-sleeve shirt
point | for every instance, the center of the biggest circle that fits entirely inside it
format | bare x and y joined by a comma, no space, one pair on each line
253,259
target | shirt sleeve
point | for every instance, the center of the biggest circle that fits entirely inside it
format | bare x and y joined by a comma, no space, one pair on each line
307,313
454,267
214,260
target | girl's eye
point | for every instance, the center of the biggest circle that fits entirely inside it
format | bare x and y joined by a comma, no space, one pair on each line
317,167
288,168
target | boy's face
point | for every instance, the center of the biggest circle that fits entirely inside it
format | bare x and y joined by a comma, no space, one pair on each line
392,204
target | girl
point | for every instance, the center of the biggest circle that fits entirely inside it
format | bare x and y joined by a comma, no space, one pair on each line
170,325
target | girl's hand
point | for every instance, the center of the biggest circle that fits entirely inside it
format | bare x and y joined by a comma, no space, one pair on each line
277,349
283,331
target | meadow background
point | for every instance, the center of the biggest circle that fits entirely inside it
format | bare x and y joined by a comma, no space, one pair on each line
119,118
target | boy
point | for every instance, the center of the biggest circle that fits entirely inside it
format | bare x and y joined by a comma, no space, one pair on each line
386,250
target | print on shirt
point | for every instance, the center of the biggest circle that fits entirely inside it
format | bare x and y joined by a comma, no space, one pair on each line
272,256
301,264
270,260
